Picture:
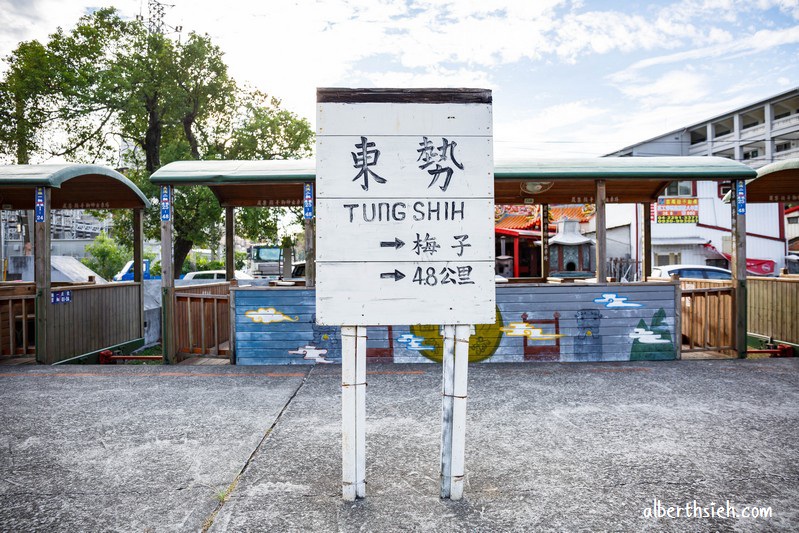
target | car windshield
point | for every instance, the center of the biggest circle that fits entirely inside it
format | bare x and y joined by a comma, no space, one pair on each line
265,253
691,273
714,274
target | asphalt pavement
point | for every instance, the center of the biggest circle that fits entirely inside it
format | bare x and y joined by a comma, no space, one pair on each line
560,447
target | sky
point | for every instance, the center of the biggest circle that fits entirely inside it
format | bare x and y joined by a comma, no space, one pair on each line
570,78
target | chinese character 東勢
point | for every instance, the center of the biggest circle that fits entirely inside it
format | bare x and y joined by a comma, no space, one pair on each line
438,156
366,157
427,245
461,243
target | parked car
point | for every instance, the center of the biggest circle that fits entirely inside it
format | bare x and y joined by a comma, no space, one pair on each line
215,275
691,271
126,274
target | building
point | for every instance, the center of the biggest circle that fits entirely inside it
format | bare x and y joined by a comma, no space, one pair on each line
690,223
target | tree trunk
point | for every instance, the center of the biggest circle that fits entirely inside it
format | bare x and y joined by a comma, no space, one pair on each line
152,138
182,249
188,121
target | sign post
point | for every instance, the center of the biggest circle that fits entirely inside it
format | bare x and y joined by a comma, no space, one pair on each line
404,208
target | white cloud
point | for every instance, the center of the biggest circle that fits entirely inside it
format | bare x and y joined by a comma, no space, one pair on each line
268,316
751,44
673,87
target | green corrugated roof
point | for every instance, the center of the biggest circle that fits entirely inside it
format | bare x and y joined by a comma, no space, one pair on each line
778,166
663,168
235,172
55,175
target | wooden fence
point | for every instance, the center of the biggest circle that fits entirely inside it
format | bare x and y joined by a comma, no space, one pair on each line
707,315
17,317
202,323
773,308
97,317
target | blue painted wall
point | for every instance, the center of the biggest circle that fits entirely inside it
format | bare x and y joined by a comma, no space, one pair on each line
549,322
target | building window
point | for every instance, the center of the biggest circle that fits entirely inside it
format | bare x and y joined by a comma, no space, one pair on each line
724,188
668,259
751,154
679,188
793,220
782,147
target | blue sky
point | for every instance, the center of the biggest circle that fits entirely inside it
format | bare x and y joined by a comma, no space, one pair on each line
570,78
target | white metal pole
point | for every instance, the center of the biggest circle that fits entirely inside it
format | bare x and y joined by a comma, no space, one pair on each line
348,379
462,334
446,409
360,412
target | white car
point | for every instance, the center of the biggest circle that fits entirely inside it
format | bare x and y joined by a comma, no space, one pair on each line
691,271
215,275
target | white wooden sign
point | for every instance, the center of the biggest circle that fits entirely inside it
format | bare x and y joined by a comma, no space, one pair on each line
405,210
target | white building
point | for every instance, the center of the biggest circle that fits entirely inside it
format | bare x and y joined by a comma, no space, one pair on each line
756,135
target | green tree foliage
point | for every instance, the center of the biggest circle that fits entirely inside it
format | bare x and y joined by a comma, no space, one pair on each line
110,82
106,257
24,106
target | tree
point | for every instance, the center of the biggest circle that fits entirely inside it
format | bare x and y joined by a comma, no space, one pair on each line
110,79
24,108
106,257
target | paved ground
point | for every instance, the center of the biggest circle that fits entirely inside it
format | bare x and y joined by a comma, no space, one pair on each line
549,447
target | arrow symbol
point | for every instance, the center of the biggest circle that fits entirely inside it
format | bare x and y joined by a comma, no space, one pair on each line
397,275
396,243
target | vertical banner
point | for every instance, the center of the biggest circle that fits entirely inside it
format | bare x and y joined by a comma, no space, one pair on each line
307,202
740,197
39,204
166,203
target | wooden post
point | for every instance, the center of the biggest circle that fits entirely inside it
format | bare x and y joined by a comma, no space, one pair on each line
232,321
310,253
230,233
353,412
601,242
738,215
462,334
41,270
677,318
646,256
447,394
168,341
545,241
138,259
516,257
360,412
453,412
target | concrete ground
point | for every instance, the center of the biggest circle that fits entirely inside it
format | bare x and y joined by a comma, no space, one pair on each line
549,447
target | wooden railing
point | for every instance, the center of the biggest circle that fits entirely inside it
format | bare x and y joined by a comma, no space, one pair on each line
202,323
97,317
707,315
17,317
773,308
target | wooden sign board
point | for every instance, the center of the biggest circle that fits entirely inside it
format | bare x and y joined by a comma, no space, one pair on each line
405,210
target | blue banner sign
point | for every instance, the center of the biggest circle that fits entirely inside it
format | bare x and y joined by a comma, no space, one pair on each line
740,197
307,202
166,204
39,204
61,297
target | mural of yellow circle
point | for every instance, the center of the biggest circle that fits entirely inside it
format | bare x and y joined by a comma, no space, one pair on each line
482,344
